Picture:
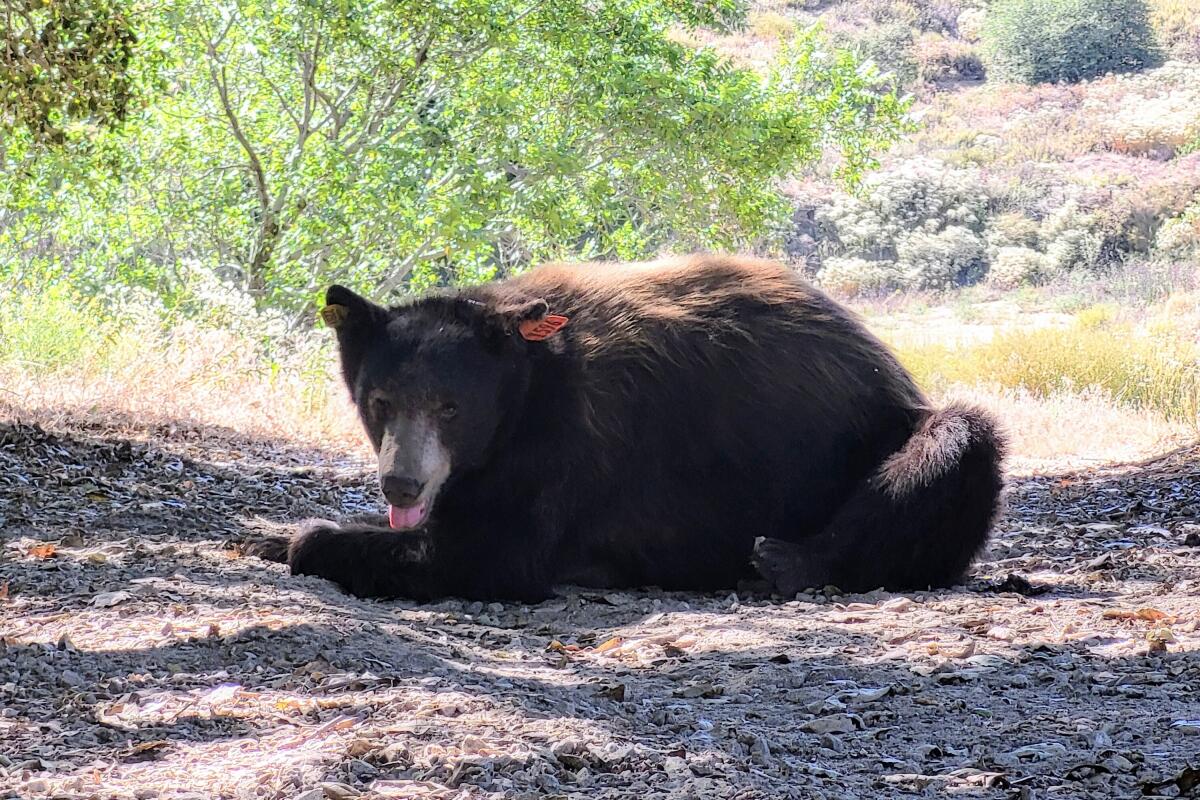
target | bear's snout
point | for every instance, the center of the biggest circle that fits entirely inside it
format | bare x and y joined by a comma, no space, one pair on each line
401,490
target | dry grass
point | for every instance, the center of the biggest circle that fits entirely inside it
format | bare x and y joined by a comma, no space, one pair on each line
1072,390
60,354
751,48
1071,430
771,25
1061,431
1155,112
1100,385
1146,360
1178,25
280,407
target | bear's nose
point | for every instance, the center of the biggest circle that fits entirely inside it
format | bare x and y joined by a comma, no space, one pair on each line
401,491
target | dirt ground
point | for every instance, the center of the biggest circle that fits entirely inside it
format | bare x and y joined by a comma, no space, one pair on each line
142,658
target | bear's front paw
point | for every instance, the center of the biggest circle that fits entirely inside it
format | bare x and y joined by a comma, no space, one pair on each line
323,549
312,546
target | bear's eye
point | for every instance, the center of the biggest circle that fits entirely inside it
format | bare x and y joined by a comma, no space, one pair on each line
448,411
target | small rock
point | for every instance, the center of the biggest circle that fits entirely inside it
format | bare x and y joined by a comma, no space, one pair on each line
1042,751
1118,763
834,723
677,768
1159,638
699,689
956,650
1001,633
865,695
829,705
339,791
831,742
898,605
109,599
760,751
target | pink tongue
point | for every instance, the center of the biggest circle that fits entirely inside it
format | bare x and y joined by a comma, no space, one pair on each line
405,518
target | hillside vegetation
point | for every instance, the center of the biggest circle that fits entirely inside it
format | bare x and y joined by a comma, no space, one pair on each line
182,278
1039,154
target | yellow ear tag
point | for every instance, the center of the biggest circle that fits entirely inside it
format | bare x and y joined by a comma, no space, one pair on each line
334,315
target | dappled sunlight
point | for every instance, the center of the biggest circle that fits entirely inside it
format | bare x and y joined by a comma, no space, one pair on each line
182,183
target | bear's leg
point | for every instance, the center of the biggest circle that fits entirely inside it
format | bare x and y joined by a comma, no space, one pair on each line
372,561
274,547
916,523
366,561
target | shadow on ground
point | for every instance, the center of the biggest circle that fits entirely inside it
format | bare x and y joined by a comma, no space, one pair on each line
140,655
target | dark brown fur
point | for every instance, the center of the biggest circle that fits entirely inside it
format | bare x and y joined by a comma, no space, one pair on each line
696,416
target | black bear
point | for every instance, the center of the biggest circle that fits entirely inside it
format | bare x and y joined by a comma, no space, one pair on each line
679,423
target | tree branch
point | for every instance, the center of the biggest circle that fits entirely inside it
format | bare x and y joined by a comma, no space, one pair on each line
220,81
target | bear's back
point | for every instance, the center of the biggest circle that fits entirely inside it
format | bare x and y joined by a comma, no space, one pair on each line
751,319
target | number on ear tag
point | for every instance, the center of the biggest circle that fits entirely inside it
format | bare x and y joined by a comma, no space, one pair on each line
535,330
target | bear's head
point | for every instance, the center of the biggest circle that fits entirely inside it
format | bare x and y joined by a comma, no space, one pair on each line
436,383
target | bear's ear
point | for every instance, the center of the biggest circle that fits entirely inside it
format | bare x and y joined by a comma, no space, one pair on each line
356,320
512,317
504,318
345,311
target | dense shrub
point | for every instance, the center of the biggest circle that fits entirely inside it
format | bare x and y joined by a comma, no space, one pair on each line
970,24
953,257
891,47
1044,41
1012,229
922,224
938,16
1017,266
926,194
889,12
918,226
1075,249
1179,237
855,276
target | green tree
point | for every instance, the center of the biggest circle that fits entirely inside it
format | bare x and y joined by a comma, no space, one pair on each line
64,64
399,143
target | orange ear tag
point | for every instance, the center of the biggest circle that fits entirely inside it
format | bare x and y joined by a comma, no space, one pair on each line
535,330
